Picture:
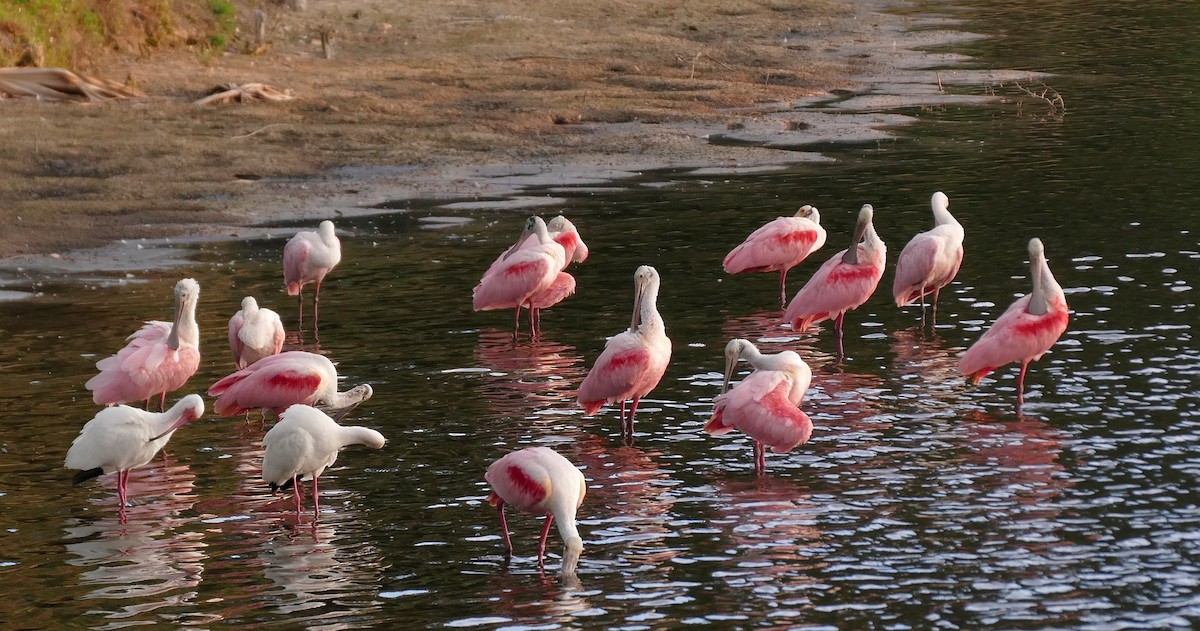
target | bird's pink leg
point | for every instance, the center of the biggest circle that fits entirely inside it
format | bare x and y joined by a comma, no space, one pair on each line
535,317
162,402
760,459
1021,385
316,306
300,309
837,332
517,322
504,528
542,541
933,317
629,422
316,500
533,331
296,492
783,288
122,479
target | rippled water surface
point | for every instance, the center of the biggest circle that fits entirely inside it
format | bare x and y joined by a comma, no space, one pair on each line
920,502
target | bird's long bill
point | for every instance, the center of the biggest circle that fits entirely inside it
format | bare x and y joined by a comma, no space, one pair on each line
570,560
342,413
173,337
730,364
638,290
525,232
860,231
183,420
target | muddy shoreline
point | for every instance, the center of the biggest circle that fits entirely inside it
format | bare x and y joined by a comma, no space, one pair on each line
182,174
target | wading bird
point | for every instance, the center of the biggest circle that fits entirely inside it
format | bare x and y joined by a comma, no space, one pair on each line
1025,331
159,358
844,282
931,259
633,361
538,480
280,381
765,405
307,258
779,245
303,444
254,333
521,273
121,438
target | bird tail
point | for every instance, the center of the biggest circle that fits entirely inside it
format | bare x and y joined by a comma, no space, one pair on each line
715,425
87,475
591,407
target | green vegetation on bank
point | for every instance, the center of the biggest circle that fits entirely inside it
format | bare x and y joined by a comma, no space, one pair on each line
76,34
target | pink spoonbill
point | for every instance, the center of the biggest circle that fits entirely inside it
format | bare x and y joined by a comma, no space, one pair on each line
307,258
254,333
931,259
1025,331
538,480
303,444
633,362
521,273
764,405
779,245
564,233
122,438
159,358
844,282
280,381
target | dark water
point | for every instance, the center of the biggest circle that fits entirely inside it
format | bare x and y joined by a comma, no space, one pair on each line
919,503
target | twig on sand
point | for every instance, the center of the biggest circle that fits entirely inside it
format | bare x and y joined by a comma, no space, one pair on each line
258,131
233,93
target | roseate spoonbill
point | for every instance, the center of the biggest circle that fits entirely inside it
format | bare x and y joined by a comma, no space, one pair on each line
280,381
538,480
307,258
575,250
1025,331
303,444
123,438
633,361
779,245
521,273
843,283
254,333
931,259
159,358
765,405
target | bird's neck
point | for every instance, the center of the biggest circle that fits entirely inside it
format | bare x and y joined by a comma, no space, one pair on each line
339,400
1046,290
184,330
355,435
648,319
942,216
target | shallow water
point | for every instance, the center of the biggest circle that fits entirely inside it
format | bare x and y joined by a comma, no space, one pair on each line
920,502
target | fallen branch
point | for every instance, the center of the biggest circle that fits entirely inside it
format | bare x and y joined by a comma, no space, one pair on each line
1048,94
59,84
233,93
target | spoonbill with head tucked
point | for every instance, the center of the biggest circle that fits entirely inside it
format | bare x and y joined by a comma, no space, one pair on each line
307,258
159,358
122,438
931,259
254,333
779,245
844,282
303,444
765,405
1025,331
633,362
280,381
538,480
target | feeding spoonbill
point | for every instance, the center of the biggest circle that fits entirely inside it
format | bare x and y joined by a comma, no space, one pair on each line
633,362
843,283
280,381
538,480
931,259
122,438
254,333
520,273
303,444
1025,331
765,405
779,245
307,258
159,358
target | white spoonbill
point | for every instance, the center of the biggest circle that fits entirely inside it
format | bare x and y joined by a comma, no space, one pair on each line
307,258
303,444
931,259
121,438
159,358
538,480
254,333
280,381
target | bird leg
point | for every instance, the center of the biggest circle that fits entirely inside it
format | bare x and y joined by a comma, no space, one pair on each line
1021,385
316,305
542,541
533,330
122,481
162,402
316,500
837,332
783,288
300,320
508,549
296,492
517,322
629,421
760,458
933,317
535,316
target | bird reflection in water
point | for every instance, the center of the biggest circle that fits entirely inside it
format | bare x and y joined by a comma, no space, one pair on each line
524,377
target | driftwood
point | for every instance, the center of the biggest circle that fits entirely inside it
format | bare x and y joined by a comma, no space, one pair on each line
59,84
233,93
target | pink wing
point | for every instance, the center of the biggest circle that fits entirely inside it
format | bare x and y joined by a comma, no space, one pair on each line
782,243
1016,336
521,275
573,245
274,382
235,343
558,291
759,407
520,481
624,364
926,263
146,366
295,253
836,288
